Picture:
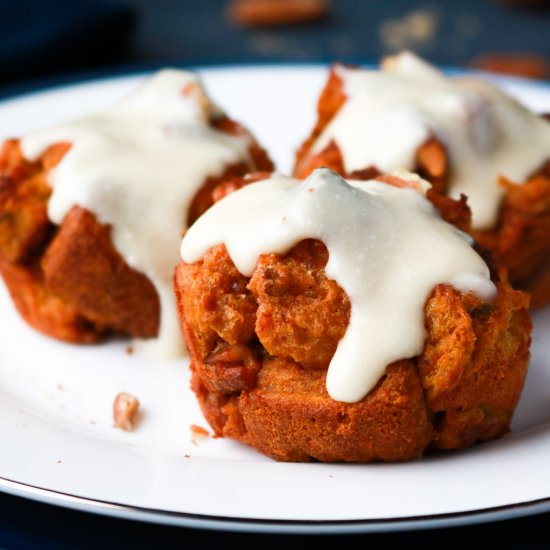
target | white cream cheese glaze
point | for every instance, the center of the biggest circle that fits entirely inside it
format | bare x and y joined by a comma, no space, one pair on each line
390,113
137,167
388,248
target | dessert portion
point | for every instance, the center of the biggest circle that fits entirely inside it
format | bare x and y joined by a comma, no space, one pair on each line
348,320
92,211
462,134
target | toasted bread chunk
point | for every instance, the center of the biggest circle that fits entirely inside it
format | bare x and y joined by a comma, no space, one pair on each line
83,268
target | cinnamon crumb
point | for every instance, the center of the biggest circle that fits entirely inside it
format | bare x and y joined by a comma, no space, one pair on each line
198,432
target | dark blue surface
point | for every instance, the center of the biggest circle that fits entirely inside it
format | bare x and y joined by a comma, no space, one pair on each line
40,37
43,39
28,525
198,31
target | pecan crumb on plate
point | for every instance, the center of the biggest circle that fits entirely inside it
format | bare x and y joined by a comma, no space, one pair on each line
125,408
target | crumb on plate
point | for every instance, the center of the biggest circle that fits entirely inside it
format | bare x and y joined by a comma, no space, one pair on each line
198,432
125,408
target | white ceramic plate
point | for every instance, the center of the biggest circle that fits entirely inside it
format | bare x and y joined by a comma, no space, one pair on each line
57,442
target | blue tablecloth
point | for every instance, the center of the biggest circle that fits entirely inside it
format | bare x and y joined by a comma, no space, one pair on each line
42,37
30,525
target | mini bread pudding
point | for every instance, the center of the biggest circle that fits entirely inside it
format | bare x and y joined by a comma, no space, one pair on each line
92,211
344,320
463,135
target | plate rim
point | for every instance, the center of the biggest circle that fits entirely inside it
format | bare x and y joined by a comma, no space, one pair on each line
64,80
54,82
272,526
241,524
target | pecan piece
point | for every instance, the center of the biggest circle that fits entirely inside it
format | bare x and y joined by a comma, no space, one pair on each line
268,13
125,409
230,369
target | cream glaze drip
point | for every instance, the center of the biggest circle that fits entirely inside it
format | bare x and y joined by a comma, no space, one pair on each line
390,113
388,248
137,167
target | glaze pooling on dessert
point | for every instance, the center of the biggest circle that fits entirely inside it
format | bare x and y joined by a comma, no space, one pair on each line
390,113
137,167
388,248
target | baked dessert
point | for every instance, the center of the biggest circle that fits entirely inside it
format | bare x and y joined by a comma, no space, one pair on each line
339,320
462,134
91,211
